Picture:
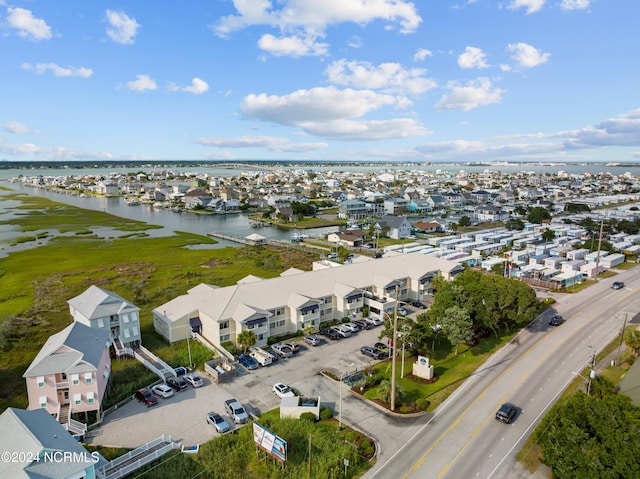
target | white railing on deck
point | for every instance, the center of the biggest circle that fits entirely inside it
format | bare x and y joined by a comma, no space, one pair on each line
113,471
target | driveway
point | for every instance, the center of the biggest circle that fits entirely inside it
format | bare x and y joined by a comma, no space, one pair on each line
183,416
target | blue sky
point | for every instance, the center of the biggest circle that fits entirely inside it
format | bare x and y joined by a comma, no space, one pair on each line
352,80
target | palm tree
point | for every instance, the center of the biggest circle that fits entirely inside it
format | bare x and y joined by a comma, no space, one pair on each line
246,339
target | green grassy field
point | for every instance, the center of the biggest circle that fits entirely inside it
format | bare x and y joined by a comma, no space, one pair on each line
35,284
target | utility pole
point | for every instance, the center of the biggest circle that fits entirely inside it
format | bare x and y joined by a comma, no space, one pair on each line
393,350
599,245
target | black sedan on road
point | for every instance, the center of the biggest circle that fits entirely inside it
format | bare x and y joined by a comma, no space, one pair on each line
556,320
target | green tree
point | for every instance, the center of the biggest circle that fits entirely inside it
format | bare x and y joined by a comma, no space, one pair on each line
520,210
514,224
464,221
457,325
538,214
548,235
587,436
384,392
576,207
246,339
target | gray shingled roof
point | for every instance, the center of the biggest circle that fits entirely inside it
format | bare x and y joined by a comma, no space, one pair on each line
35,431
96,302
77,348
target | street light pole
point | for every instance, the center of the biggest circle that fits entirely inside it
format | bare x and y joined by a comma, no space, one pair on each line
393,358
341,381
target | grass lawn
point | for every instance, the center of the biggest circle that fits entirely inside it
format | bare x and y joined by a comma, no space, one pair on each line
36,284
235,454
451,371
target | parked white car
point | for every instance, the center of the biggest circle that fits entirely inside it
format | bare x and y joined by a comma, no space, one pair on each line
162,390
353,327
282,390
194,380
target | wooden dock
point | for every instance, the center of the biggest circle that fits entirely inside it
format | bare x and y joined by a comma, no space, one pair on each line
233,239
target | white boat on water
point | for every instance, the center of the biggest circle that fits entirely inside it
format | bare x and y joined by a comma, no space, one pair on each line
132,201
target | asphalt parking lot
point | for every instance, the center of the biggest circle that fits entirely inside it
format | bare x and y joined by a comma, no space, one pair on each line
183,416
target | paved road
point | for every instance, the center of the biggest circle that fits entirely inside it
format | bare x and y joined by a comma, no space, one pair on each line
463,440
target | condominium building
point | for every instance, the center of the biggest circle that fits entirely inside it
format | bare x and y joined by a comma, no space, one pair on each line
298,300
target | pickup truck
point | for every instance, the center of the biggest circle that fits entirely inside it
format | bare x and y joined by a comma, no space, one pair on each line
282,350
260,355
236,411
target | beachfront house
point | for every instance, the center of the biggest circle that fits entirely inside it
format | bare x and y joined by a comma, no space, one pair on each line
71,371
47,450
104,310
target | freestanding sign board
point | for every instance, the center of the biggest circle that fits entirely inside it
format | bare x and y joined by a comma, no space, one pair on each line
270,443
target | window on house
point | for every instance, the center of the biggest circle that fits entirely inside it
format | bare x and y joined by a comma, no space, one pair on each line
90,398
75,378
100,323
126,332
125,318
224,325
88,378
225,337
40,381
77,399
64,376
43,401
135,331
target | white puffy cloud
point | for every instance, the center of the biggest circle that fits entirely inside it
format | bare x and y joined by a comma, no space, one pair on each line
271,143
350,130
388,77
122,28
623,130
27,25
421,54
294,46
18,128
620,131
476,93
532,6
141,83
313,17
473,57
197,87
574,4
526,55
54,153
57,70
329,112
316,104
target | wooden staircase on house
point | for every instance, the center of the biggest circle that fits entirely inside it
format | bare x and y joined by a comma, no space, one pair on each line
64,418
153,363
